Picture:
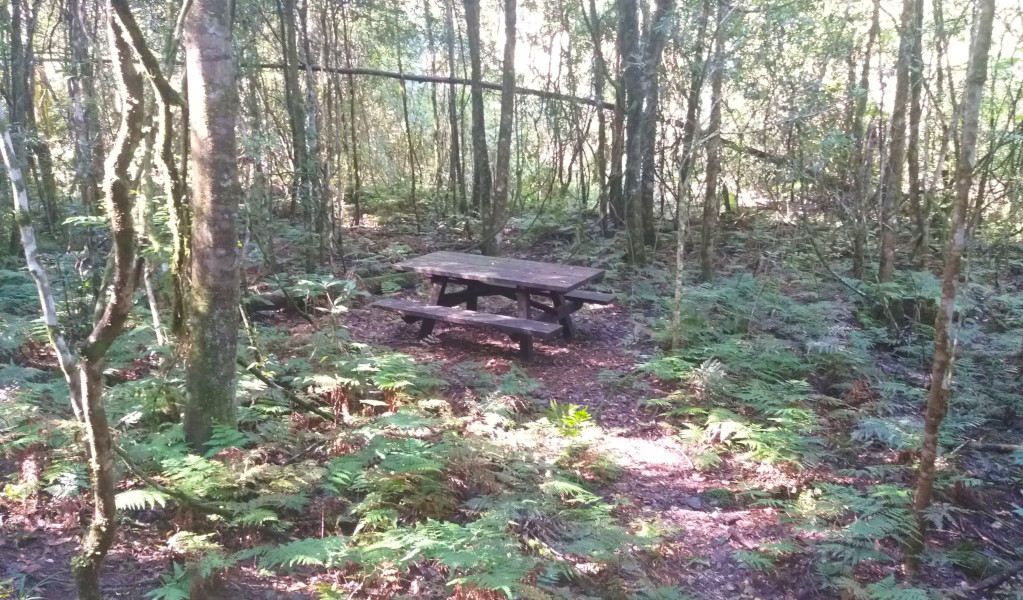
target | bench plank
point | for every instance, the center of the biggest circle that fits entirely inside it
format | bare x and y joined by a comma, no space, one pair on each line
512,325
584,296
589,297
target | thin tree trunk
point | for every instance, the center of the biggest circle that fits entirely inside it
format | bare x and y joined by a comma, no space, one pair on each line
296,108
710,200
616,179
861,170
697,72
492,242
456,177
937,398
656,38
891,186
482,180
119,198
411,149
213,309
593,23
354,143
431,47
85,129
633,83
916,84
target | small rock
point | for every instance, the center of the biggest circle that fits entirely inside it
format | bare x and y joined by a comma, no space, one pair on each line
694,503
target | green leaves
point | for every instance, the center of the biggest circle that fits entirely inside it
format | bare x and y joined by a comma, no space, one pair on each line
140,499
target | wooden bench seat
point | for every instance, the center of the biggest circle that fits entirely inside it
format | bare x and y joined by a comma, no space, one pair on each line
589,297
581,296
521,330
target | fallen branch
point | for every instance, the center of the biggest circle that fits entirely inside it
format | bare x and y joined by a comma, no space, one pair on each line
306,404
997,579
183,497
990,447
445,80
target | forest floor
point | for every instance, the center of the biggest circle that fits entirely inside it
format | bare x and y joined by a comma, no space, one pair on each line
721,474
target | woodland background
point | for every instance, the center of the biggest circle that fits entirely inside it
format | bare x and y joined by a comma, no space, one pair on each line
808,386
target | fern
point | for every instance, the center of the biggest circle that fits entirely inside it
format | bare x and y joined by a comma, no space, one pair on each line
321,552
140,499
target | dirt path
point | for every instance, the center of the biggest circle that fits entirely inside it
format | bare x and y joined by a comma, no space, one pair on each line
701,527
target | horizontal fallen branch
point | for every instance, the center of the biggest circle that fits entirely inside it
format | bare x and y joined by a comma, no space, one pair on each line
306,404
362,71
180,496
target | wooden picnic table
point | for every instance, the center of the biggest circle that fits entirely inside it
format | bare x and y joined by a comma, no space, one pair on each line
528,282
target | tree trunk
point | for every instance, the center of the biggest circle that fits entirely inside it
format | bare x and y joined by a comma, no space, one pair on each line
356,176
85,130
710,200
296,108
657,36
615,181
213,308
119,198
593,23
492,242
891,186
481,178
861,166
456,176
937,398
633,84
411,149
431,46
916,85
697,72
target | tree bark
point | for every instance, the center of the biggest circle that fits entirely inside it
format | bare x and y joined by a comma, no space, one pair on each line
616,178
411,149
710,200
481,177
593,23
213,307
861,167
937,398
456,176
634,96
296,108
916,85
492,241
656,38
891,186
697,72
356,175
119,199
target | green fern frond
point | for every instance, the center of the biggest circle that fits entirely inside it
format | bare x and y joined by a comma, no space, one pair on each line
140,499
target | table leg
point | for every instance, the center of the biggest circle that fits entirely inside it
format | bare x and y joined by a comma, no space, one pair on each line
439,285
525,340
567,328
472,299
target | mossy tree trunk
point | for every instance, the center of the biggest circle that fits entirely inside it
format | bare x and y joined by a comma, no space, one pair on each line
213,307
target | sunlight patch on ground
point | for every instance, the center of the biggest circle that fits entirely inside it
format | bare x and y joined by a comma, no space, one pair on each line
635,453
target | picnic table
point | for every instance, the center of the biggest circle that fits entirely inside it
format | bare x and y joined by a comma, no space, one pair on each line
546,294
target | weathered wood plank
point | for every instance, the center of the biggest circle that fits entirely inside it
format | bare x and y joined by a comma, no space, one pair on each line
590,297
513,272
583,296
512,325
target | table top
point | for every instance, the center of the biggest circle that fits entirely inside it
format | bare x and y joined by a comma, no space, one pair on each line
504,271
